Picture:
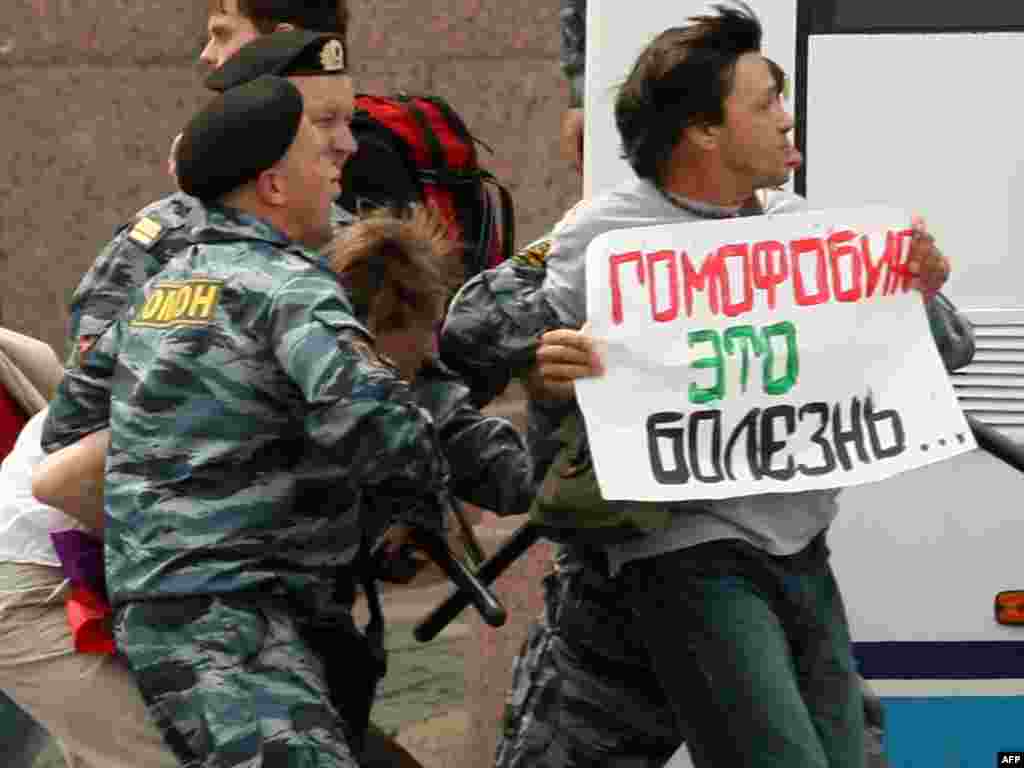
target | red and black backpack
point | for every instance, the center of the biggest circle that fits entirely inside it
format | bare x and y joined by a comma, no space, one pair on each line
418,149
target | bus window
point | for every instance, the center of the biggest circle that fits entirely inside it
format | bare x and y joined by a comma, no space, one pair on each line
867,16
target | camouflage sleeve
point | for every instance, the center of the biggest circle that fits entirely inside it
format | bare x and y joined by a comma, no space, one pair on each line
82,403
953,333
491,332
573,26
489,461
360,411
136,253
108,287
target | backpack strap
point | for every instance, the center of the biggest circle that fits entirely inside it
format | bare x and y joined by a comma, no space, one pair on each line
458,125
441,171
480,257
508,215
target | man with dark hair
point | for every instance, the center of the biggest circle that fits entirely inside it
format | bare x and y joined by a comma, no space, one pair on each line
239,359
233,23
580,663
757,668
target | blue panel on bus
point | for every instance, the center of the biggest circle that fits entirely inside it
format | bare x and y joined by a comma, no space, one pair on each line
964,660
952,732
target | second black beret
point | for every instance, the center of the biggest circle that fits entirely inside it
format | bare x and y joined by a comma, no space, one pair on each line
295,52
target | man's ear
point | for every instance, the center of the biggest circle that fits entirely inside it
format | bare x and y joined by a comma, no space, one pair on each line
284,26
703,136
272,188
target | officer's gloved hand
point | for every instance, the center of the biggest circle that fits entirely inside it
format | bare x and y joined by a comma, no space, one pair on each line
395,559
399,557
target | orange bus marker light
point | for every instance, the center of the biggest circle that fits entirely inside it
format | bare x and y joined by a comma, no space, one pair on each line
1010,607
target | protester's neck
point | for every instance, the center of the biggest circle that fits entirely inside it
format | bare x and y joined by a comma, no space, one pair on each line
697,185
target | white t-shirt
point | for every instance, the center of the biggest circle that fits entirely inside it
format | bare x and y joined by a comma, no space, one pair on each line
25,523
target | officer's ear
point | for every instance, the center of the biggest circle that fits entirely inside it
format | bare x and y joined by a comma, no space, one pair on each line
271,186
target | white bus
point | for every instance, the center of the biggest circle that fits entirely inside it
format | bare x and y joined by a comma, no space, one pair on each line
909,103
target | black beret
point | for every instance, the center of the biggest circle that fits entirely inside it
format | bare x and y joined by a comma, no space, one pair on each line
295,52
237,136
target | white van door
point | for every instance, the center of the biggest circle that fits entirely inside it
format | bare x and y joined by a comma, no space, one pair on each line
909,102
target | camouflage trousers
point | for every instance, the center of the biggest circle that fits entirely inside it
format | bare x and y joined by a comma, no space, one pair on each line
231,682
582,693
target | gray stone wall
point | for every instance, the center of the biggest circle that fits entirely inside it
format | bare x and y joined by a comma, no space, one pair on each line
94,90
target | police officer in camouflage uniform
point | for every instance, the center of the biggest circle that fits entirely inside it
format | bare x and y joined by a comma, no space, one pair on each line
583,691
240,358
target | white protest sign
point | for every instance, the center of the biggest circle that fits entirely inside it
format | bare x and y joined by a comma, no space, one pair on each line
767,354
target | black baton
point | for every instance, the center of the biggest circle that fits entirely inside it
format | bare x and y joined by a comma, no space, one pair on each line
467,583
995,442
510,551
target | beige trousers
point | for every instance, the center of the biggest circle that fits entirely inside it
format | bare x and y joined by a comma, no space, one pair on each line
88,703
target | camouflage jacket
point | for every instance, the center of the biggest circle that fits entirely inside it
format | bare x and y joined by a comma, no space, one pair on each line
491,334
136,253
237,385
490,466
